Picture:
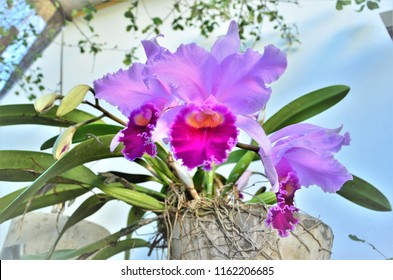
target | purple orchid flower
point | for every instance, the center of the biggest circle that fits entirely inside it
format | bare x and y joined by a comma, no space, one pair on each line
196,99
303,156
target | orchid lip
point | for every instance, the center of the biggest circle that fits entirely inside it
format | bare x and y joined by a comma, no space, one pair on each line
204,119
143,118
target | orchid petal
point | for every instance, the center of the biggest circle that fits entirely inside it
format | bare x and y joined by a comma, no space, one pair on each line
128,90
245,76
192,72
317,169
115,141
310,136
153,50
255,131
228,44
308,149
164,124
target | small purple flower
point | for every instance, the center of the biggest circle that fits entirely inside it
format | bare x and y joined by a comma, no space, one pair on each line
303,156
201,99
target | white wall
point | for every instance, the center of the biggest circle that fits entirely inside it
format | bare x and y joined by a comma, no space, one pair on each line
337,48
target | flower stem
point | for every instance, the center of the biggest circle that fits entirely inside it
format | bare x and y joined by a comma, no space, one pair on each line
105,112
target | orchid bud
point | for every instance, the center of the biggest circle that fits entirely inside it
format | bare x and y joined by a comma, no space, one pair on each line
45,102
72,99
63,142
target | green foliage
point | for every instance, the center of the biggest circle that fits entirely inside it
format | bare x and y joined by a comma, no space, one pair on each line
361,4
26,114
306,107
364,194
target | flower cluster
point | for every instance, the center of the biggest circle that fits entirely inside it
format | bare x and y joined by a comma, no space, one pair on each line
198,101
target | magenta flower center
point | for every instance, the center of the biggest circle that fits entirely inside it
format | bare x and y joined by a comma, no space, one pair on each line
204,119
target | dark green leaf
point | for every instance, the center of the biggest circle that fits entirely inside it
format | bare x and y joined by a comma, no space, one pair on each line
90,150
341,3
119,247
22,166
306,107
134,216
364,194
112,177
133,197
240,167
26,114
84,132
236,155
372,5
134,178
264,198
355,238
57,194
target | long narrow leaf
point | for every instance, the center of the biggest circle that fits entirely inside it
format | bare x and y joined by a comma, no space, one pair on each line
135,215
57,194
87,151
364,194
26,166
119,247
133,197
26,114
241,166
306,107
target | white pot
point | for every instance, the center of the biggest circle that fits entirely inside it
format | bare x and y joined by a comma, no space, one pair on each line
36,232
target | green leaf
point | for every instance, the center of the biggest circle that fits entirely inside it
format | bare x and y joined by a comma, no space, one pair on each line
84,132
372,5
236,155
90,150
111,177
26,114
58,193
341,3
134,178
134,216
119,247
306,107
86,209
22,166
240,167
133,197
355,238
364,194
264,198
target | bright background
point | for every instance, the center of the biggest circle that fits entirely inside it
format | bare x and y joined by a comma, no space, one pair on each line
338,47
